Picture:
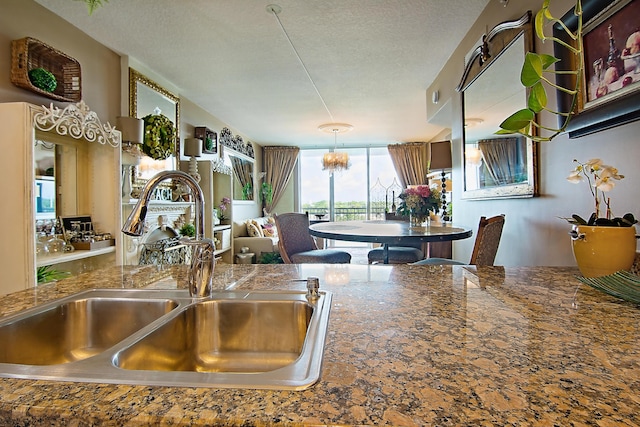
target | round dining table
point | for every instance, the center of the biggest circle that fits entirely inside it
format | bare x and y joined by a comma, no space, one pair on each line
389,233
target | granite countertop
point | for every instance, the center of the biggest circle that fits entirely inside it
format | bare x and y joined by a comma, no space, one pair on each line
407,345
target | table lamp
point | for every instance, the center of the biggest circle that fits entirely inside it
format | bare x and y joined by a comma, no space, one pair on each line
441,159
193,149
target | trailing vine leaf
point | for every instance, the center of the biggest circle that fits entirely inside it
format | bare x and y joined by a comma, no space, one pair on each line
533,76
93,4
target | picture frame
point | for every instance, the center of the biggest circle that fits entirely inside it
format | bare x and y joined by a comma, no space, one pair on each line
67,223
615,104
204,133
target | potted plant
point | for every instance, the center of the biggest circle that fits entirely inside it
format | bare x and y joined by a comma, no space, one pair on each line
222,208
605,244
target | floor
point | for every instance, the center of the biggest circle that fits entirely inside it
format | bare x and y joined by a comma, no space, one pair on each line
358,254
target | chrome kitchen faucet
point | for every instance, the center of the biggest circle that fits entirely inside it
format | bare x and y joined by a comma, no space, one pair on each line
200,278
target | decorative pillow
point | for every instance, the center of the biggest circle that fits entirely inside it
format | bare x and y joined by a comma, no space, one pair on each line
253,229
269,230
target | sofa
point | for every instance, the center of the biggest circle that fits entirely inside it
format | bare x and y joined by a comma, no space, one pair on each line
258,234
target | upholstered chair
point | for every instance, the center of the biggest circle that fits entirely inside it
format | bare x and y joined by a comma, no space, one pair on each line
297,246
397,254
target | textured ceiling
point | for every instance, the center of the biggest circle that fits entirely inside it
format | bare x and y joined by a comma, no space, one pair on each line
372,60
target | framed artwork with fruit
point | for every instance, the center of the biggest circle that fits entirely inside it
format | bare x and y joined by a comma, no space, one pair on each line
610,89
612,54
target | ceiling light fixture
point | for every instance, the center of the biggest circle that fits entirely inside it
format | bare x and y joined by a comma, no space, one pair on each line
334,160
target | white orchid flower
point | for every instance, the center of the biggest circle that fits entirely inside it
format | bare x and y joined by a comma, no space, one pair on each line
594,164
610,172
575,177
604,184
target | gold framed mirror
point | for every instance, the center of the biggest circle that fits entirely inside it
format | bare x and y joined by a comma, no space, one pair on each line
497,166
148,97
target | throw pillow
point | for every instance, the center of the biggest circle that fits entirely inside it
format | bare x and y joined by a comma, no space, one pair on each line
269,230
253,230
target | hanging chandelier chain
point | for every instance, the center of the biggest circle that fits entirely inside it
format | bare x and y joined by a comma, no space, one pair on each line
275,10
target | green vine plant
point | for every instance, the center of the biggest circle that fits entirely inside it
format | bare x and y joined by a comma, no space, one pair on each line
534,74
92,5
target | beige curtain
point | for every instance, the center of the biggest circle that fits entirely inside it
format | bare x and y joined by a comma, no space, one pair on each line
502,160
278,167
411,161
242,171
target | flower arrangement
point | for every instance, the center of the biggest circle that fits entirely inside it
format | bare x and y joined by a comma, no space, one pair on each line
419,201
601,179
222,207
159,136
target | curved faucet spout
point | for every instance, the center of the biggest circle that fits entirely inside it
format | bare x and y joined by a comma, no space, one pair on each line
202,257
134,226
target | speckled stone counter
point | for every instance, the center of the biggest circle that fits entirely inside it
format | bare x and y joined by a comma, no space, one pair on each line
407,345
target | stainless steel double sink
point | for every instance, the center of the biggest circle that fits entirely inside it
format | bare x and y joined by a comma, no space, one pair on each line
239,339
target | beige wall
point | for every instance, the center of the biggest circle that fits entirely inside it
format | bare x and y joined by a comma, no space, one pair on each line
102,72
534,234
100,66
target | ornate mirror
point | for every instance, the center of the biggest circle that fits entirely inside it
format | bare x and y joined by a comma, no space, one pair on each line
147,97
497,166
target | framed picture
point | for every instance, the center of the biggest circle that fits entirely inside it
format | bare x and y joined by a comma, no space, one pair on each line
209,139
73,225
610,90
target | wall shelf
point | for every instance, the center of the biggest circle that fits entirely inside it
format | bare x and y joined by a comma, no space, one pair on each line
72,256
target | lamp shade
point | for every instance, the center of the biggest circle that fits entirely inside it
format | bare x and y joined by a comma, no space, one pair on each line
440,155
193,147
132,129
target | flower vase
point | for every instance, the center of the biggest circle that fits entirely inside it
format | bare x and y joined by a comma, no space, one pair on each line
417,221
601,250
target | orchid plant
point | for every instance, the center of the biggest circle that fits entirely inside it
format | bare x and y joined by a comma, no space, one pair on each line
601,179
222,207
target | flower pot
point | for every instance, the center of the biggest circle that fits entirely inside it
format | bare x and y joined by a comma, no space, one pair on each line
600,251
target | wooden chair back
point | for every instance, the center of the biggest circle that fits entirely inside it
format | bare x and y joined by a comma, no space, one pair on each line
487,240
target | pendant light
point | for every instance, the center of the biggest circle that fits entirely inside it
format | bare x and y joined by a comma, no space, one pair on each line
335,160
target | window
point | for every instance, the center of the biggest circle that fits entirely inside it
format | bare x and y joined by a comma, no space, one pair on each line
348,195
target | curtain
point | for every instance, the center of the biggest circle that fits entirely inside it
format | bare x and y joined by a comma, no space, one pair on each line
411,162
278,167
242,171
501,157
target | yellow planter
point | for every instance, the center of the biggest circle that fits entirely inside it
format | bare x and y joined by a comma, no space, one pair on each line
600,251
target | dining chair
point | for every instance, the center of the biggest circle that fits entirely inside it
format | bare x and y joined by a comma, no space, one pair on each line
397,254
485,247
297,246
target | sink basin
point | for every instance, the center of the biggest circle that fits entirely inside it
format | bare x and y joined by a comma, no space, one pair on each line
237,339
76,328
225,336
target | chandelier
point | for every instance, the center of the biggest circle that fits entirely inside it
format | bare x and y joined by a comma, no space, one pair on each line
335,160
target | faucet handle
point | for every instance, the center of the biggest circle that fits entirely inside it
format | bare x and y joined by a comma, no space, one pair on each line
313,286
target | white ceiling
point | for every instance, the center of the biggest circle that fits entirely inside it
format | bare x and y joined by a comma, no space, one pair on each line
372,60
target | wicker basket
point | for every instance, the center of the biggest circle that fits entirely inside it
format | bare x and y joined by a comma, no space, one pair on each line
28,53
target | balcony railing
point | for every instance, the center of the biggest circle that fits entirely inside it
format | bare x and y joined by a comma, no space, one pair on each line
348,213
